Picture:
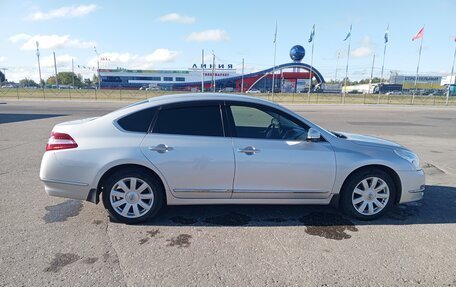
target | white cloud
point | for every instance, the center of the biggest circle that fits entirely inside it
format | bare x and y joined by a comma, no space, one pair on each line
63,12
177,18
364,50
50,41
208,35
128,60
62,61
2,59
162,56
19,37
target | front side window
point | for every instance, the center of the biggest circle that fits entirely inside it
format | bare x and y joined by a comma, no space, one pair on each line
192,120
254,122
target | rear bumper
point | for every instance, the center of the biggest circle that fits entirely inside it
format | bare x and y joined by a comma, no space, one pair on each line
413,185
62,180
73,190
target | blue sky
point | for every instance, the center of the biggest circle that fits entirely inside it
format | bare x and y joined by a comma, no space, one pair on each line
171,34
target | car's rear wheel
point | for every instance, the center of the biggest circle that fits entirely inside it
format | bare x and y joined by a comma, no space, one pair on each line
368,194
132,196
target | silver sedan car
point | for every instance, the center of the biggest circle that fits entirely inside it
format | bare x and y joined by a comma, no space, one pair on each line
223,149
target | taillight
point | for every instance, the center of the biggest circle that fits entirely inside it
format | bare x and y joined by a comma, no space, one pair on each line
59,141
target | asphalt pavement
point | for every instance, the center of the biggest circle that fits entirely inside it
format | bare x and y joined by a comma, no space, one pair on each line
49,241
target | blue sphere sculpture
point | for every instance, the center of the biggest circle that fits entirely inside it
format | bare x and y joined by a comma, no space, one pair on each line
297,53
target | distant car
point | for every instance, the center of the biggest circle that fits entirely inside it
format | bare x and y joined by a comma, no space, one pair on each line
253,91
223,149
152,89
394,93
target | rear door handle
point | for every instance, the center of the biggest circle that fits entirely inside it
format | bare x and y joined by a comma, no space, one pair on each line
161,148
249,150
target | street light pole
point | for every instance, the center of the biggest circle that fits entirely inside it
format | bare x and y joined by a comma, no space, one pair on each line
98,66
38,57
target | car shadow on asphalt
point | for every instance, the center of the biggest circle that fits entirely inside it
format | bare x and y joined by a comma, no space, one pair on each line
12,118
437,207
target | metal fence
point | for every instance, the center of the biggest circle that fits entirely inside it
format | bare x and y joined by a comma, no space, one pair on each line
135,95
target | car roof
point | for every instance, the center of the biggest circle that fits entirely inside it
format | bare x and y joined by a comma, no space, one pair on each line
176,98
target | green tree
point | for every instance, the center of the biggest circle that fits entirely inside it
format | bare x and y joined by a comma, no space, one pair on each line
66,78
2,77
28,83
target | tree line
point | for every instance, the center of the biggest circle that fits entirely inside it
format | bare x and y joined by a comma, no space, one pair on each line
64,78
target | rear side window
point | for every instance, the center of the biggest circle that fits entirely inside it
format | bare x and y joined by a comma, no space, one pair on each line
138,121
194,121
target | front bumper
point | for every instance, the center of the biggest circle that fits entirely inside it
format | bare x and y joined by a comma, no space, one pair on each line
413,185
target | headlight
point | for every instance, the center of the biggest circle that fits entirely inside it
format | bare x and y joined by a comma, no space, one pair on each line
409,156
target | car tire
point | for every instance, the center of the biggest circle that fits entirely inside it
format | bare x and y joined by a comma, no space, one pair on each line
132,196
368,194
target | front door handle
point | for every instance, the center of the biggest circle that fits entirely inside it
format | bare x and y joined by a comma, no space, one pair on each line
249,150
161,148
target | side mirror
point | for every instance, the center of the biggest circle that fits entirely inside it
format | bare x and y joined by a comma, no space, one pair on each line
313,135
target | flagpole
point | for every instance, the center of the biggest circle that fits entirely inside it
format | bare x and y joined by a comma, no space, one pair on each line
346,68
311,69
417,69
273,68
451,78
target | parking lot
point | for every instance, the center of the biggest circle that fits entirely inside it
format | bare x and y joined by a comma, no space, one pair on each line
48,241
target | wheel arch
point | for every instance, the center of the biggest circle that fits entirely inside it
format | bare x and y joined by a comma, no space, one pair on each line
388,170
116,168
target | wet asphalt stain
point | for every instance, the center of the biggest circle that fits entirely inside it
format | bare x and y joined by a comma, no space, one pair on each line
61,260
181,241
90,260
436,151
62,211
229,219
97,222
328,225
183,220
151,233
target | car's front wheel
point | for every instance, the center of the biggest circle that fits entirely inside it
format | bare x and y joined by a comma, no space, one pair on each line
132,196
368,194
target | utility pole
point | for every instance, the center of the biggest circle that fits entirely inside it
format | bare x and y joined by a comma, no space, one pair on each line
38,57
72,69
273,68
372,73
55,69
242,77
98,66
213,72
452,81
337,66
202,71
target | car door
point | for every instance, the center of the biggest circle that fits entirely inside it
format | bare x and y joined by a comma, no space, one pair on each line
273,158
187,144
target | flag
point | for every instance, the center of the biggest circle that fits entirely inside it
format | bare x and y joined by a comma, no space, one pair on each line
419,35
349,33
312,33
386,34
275,34
454,39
